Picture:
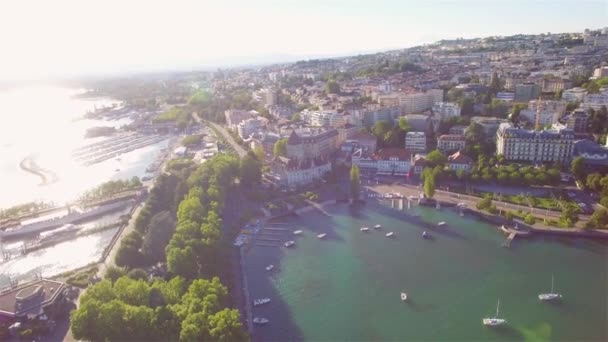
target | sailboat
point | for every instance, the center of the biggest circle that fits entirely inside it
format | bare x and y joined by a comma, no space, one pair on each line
494,321
551,295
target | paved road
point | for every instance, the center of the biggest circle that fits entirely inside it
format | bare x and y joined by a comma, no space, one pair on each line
238,148
109,261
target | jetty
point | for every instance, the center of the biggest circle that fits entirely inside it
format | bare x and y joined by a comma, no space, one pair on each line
318,206
72,217
511,234
113,147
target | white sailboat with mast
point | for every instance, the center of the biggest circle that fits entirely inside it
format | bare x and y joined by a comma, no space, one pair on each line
494,321
551,295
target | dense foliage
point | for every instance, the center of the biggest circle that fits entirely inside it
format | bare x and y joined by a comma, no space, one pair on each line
192,140
194,248
23,209
280,148
164,196
355,183
182,220
110,188
178,115
138,310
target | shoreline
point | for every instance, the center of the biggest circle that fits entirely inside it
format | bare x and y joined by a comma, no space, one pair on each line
496,219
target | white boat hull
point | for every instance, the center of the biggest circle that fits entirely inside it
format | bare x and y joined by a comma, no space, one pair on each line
549,296
493,321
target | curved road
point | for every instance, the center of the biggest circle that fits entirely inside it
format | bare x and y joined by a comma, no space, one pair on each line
238,148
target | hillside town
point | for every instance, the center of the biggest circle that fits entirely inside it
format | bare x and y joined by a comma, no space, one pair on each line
510,111
512,128
538,100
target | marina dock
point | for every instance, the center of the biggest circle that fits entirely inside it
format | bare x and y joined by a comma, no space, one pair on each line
113,147
511,234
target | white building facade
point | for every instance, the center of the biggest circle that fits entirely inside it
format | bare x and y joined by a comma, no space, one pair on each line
415,141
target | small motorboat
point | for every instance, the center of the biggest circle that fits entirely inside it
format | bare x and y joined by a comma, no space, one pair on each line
297,232
403,296
261,301
364,229
269,267
378,226
260,320
322,236
441,224
289,243
390,234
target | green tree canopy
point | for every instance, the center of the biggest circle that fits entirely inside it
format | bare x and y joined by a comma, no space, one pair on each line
577,168
429,182
250,170
599,219
404,125
159,232
355,183
436,158
280,148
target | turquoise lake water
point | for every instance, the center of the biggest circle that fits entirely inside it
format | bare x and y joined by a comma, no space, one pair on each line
347,287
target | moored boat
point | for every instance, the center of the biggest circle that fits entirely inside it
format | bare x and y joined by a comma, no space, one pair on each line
440,224
260,320
261,301
297,232
364,229
289,243
551,296
425,234
269,267
322,236
390,234
494,321
403,296
378,226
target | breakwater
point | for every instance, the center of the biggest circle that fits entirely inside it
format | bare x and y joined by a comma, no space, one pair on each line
29,165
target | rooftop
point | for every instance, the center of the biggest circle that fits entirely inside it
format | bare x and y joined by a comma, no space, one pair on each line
30,298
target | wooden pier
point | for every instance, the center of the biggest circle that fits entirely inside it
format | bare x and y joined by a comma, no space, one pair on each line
319,207
511,234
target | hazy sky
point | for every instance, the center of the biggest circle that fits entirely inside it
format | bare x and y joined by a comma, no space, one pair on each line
63,37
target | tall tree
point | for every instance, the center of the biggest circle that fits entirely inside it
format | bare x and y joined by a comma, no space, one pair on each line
429,182
159,232
404,125
436,158
578,168
496,84
280,148
250,170
355,183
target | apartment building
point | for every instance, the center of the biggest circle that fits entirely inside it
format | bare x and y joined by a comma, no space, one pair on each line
415,141
445,110
574,95
451,142
307,143
546,146
546,117
578,121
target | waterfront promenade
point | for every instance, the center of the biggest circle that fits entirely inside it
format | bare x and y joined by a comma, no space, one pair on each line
470,202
